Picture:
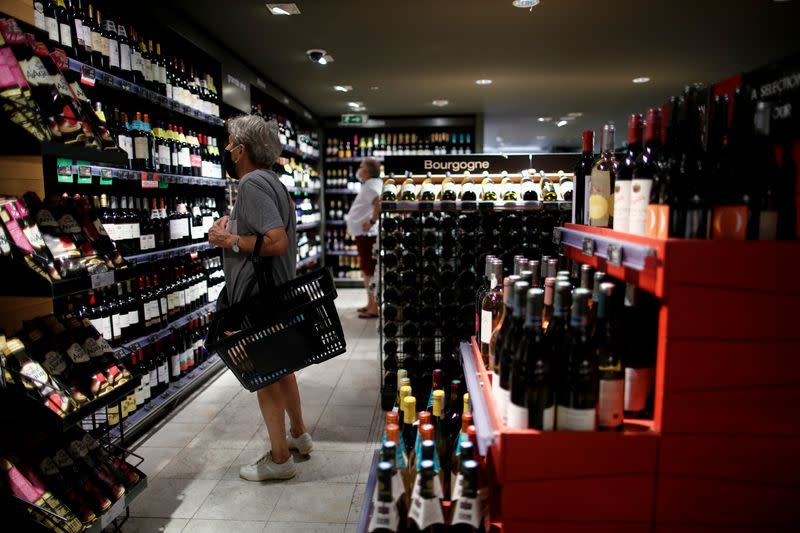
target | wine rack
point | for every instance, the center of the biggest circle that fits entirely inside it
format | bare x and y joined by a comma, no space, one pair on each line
432,257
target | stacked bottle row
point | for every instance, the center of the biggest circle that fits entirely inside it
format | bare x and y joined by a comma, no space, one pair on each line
101,39
69,481
382,143
62,239
692,177
300,176
47,99
429,271
428,458
567,351
161,145
308,244
534,186
292,137
158,365
62,362
345,267
338,208
307,212
342,178
340,240
163,292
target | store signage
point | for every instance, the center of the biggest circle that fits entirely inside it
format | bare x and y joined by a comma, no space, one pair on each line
456,164
354,120
236,86
778,84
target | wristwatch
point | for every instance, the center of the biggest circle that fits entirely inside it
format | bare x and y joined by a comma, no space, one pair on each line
235,246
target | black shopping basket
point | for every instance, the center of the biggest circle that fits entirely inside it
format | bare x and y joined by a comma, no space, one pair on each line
279,331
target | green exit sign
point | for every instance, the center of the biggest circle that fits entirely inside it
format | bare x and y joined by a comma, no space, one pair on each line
354,119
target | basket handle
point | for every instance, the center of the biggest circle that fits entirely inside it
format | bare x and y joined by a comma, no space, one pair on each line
263,267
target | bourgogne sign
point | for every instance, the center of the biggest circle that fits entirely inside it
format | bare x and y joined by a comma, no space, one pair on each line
456,164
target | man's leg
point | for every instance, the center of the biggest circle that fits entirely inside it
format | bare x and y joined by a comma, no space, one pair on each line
291,398
273,409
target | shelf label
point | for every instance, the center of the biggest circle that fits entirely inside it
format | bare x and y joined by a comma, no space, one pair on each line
88,75
106,78
84,173
64,171
103,279
614,252
162,184
106,176
149,180
388,206
588,246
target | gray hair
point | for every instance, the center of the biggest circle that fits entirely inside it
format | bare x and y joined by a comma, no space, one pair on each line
259,137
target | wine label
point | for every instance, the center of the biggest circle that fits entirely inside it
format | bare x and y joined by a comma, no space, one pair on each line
467,511
162,374
639,198
517,416
164,155
124,57
133,317
38,16
141,148
116,326
426,512
87,38
611,403
66,35
175,363
91,347
384,517
729,222
600,206
76,354
549,418
103,343
658,221
570,419
35,72
638,382
113,52
114,231
486,326
54,363
185,158
139,392
62,459
147,242
51,25
622,205
146,385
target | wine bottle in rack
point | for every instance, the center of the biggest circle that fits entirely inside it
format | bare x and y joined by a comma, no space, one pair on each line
602,182
623,183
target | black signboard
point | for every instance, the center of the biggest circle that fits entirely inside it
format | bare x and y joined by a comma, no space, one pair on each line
779,84
479,163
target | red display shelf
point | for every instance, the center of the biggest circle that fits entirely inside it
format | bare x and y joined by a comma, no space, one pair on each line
727,374
605,480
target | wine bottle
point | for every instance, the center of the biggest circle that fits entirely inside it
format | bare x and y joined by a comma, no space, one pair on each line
498,340
509,348
426,514
763,163
602,182
468,509
491,309
623,183
643,173
109,32
611,398
578,389
385,516
583,170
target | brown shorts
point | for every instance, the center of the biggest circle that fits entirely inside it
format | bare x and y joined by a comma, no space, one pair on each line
364,244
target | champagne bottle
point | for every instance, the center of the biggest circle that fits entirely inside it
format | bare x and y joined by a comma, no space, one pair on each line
385,516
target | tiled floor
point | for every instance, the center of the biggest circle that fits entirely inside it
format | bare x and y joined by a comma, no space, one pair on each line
193,458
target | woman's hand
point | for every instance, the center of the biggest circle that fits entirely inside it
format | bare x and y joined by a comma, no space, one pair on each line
218,234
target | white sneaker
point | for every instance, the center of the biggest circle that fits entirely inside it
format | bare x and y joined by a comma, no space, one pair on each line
302,443
265,468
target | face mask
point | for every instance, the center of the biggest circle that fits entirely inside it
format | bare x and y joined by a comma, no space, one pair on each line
230,166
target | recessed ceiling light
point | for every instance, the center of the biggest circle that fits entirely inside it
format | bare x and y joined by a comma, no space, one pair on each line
318,55
374,88
283,9
545,119
441,102
525,4
355,104
561,123
574,115
567,118
483,82
643,79
343,88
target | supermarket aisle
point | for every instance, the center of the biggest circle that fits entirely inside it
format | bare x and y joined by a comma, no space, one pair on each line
193,458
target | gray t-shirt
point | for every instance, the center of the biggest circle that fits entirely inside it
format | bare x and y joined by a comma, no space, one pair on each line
261,205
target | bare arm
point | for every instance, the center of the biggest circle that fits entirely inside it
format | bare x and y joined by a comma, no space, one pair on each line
376,209
276,242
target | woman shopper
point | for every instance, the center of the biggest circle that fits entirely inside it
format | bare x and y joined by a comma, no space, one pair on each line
263,207
361,221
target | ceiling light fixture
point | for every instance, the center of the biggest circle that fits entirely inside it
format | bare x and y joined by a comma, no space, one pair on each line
483,82
355,105
561,123
374,88
545,119
574,115
343,88
318,55
283,9
642,79
525,4
440,102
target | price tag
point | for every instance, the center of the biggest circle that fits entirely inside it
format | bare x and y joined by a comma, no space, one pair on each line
88,75
163,184
614,252
557,235
149,180
103,279
106,78
84,173
588,246
64,171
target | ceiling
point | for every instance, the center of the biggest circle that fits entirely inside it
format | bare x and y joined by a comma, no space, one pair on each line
564,56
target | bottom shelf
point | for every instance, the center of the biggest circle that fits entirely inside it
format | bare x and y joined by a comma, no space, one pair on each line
159,405
119,507
369,490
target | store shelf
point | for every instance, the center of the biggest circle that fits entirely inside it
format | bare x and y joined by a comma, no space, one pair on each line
307,261
341,191
119,507
159,405
349,159
484,415
336,223
295,152
301,190
123,174
145,340
439,205
157,255
306,227
116,158
91,76
369,490
22,281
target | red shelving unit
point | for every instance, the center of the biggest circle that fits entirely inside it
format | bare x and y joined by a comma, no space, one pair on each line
722,449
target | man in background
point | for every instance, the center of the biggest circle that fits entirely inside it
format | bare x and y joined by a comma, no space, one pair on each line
361,223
